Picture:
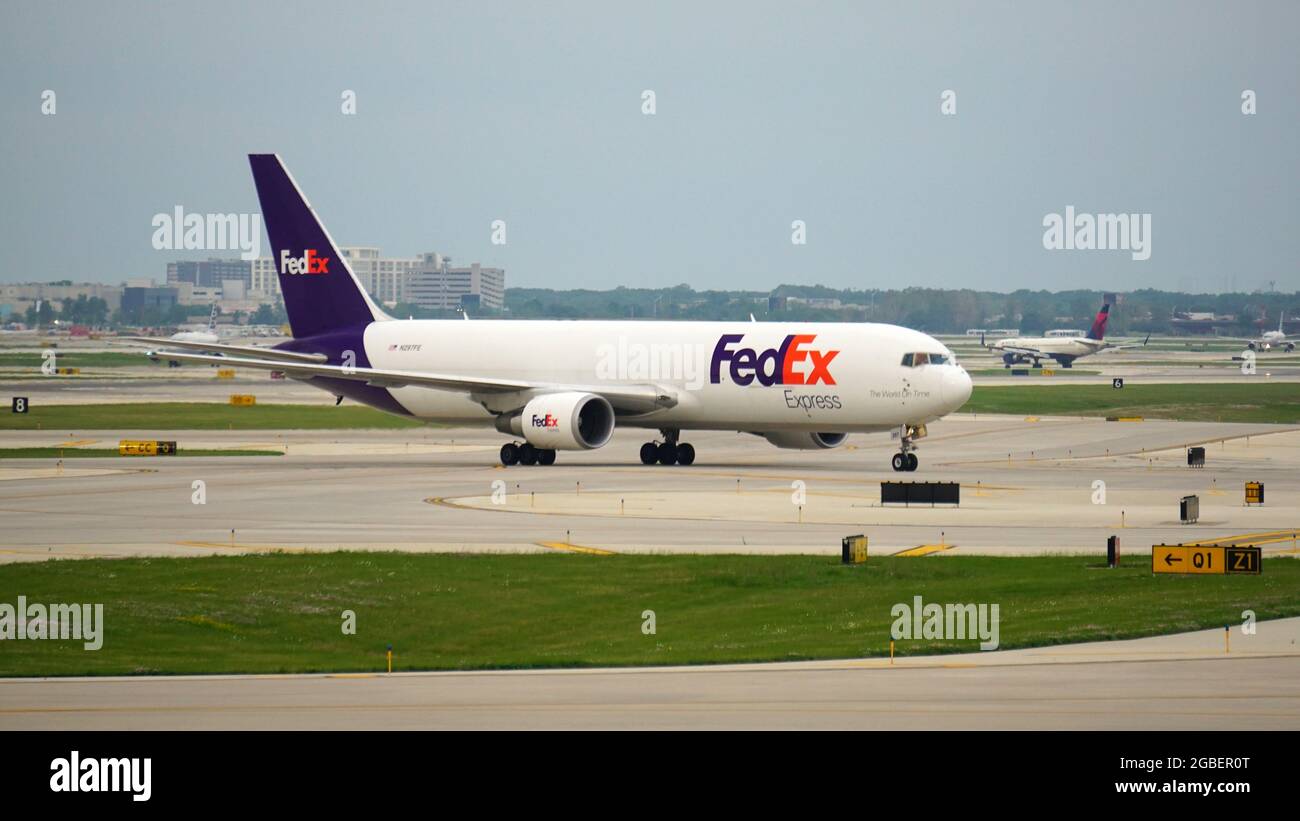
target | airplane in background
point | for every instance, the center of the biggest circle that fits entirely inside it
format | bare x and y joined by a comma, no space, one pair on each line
1064,349
564,385
210,335
1272,339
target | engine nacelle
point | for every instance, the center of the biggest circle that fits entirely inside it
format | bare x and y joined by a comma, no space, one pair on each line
804,440
563,421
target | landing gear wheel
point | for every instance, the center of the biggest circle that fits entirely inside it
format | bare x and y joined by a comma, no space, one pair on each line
509,454
667,453
546,457
899,462
649,453
527,454
685,454
912,462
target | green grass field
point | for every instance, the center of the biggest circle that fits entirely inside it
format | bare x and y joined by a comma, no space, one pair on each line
200,416
107,453
1255,401
283,613
33,359
1276,402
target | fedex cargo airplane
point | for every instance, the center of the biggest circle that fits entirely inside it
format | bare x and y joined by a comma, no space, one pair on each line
556,385
1064,349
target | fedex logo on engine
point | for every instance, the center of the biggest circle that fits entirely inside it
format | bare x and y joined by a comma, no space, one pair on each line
774,366
309,263
547,421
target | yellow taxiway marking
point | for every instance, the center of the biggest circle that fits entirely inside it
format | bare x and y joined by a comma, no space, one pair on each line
1265,537
75,444
577,548
924,550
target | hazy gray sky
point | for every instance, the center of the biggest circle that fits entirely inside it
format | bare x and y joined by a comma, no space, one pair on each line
766,113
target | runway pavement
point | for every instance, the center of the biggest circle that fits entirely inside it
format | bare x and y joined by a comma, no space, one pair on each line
1185,682
1027,487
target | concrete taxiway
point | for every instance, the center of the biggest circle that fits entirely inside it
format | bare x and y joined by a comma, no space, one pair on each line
1182,682
1036,485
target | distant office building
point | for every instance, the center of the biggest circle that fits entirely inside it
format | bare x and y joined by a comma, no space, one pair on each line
384,278
390,280
136,298
262,278
825,303
187,294
19,296
435,284
209,273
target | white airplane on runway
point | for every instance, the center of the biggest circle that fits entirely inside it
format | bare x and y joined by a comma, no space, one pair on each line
1272,339
564,385
210,335
1064,349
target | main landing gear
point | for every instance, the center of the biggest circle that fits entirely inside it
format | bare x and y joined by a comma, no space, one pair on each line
526,454
669,451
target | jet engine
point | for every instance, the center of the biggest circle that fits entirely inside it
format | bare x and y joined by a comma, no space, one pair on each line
802,440
562,421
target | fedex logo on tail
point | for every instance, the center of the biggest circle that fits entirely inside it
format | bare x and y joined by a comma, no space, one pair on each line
309,263
794,363
547,421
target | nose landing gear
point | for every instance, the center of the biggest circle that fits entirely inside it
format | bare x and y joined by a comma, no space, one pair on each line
905,460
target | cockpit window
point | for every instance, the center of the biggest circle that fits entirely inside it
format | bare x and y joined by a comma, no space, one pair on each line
916,359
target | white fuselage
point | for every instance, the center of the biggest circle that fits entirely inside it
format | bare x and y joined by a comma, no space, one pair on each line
1072,346
834,377
195,336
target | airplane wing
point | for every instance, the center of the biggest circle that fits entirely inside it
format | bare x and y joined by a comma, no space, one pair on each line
624,398
1017,349
236,350
1126,346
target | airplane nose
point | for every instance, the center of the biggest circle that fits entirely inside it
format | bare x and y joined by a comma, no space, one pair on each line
956,387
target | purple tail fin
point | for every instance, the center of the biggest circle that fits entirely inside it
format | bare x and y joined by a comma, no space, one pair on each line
321,294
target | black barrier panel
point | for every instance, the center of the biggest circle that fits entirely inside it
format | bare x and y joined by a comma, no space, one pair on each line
893,493
920,493
1189,509
1196,457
